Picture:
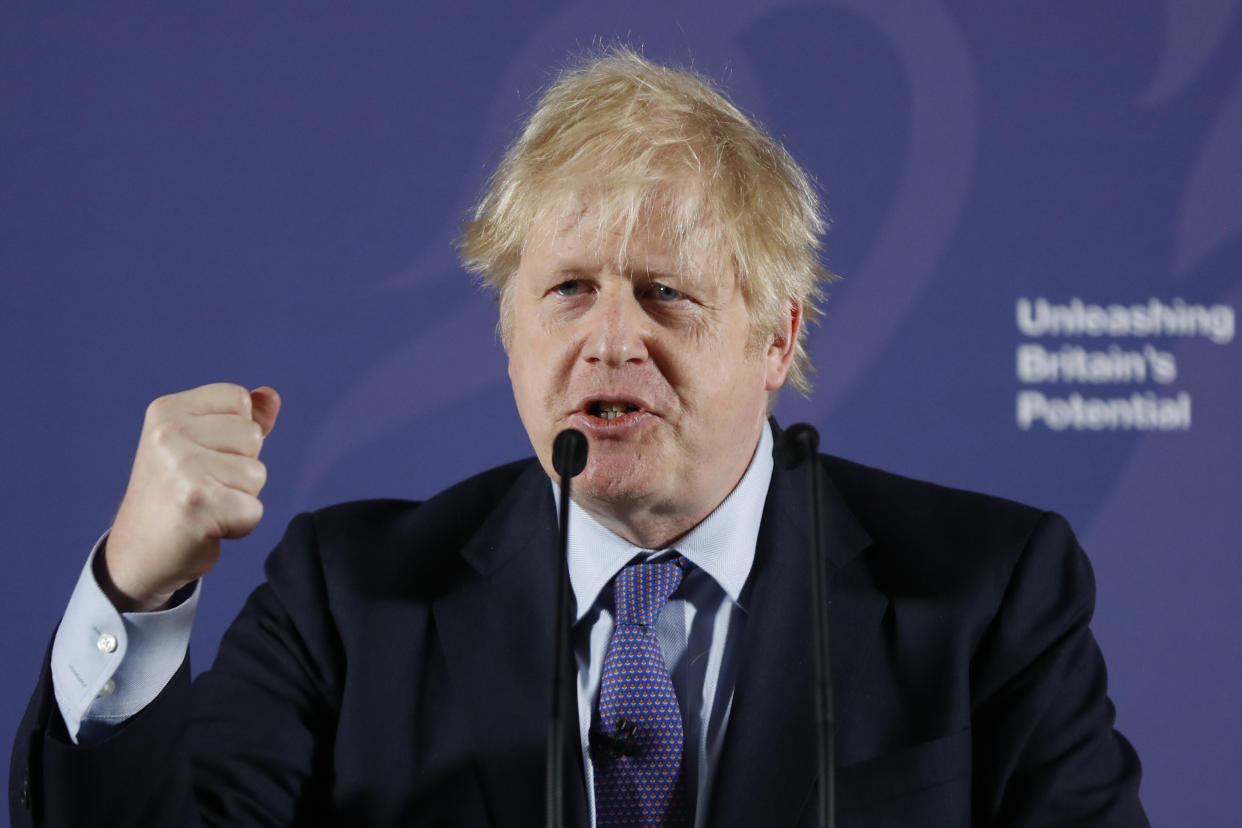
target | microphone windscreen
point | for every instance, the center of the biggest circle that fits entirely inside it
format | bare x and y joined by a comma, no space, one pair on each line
569,453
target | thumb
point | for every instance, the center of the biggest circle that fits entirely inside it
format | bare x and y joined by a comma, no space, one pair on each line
265,405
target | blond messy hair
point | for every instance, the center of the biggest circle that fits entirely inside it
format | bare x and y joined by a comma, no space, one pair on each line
634,139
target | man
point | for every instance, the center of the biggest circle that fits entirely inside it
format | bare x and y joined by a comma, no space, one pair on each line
655,259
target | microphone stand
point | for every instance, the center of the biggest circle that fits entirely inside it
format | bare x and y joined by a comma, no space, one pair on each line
800,443
569,457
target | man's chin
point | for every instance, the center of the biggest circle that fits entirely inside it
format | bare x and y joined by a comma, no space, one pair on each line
612,489
617,483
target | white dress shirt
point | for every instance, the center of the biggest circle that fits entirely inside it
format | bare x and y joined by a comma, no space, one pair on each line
698,629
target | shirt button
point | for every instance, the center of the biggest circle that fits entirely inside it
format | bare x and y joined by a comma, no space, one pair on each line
106,642
109,687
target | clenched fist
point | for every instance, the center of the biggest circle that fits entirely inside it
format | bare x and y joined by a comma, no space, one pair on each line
196,479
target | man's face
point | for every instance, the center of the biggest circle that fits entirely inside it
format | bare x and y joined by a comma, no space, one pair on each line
653,363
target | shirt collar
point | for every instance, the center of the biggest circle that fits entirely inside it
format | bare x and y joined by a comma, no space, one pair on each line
722,545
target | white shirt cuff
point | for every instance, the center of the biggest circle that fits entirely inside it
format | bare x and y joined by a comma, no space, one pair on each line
107,665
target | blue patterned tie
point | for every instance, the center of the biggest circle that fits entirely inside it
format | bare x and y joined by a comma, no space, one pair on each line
637,759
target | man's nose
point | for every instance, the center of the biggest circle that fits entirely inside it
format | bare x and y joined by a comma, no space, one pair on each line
618,329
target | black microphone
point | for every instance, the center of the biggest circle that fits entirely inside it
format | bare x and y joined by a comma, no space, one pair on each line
569,454
569,458
625,742
798,443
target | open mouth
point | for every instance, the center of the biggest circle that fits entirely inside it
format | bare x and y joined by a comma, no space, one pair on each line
610,410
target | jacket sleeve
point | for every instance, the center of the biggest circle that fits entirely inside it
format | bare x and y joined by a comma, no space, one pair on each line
1045,749
250,745
140,775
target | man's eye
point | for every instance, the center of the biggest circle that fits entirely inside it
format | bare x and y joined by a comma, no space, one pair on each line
569,288
667,294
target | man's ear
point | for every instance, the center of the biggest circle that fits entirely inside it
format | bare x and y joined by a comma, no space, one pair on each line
781,350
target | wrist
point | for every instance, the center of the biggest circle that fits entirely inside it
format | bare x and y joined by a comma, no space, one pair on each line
125,598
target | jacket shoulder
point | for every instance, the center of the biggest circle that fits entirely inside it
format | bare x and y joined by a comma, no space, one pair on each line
894,507
460,505
927,536
388,544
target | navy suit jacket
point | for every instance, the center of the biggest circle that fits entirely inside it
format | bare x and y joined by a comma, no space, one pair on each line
394,669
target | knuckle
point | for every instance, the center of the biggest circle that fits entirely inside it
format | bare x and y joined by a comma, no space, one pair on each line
247,514
193,498
158,408
239,399
193,490
163,431
256,511
254,438
258,474
250,476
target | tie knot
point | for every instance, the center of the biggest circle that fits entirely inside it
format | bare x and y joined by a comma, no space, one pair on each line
643,588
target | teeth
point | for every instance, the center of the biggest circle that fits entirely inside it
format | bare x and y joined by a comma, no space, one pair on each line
612,410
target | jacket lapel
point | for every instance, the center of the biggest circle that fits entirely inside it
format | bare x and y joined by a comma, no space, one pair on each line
496,630
497,634
768,763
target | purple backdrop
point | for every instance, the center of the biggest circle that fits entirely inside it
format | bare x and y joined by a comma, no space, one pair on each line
269,196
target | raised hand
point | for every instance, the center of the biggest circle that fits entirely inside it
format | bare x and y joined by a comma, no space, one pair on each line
196,480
